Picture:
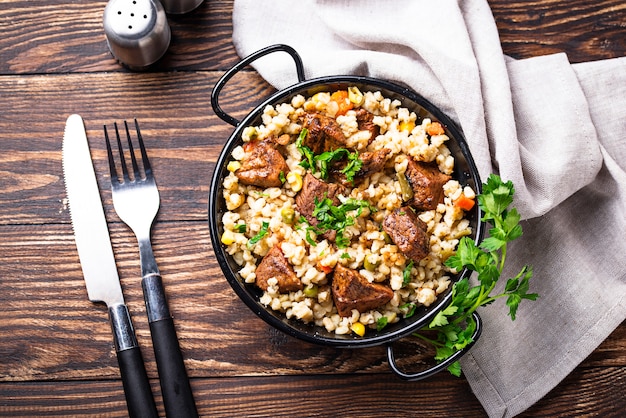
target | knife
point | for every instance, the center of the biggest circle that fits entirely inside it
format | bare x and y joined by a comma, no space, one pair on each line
98,264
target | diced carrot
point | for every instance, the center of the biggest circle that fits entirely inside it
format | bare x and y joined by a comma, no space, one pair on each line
464,202
342,100
435,128
324,269
249,146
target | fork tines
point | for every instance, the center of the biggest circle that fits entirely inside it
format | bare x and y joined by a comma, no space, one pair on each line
137,175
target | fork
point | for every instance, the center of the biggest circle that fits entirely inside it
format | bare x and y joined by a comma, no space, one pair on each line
136,201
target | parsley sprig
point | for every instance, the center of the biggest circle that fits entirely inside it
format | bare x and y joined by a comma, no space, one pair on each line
454,326
260,235
336,218
321,162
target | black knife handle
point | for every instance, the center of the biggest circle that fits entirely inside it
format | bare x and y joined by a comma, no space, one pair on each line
137,391
139,399
175,386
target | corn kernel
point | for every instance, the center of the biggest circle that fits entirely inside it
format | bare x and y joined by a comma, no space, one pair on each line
406,126
358,328
355,96
228,237
295,180
233,166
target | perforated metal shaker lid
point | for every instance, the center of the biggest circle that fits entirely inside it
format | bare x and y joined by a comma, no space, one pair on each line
137,31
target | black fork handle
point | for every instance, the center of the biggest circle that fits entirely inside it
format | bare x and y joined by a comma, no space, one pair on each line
175,386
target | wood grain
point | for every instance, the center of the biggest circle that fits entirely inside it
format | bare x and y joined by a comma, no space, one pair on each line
56,352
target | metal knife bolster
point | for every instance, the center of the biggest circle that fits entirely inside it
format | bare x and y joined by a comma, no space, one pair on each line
123,331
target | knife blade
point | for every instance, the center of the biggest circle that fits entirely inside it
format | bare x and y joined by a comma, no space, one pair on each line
98,264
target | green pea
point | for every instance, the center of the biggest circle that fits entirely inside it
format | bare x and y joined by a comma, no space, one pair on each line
287,215
369,265
311,291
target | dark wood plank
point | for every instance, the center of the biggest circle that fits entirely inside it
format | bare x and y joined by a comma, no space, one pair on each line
62,36
586,392
585,30
340,395
183,135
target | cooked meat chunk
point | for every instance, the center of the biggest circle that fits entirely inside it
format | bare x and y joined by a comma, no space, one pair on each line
262,165
274,264
373,162
365,122
352,291
427,183
324,133
408,232
284,139
313,188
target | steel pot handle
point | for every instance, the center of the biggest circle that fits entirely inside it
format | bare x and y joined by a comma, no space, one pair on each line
439,367
243,63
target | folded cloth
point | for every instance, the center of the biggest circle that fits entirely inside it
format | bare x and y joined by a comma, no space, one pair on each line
555,129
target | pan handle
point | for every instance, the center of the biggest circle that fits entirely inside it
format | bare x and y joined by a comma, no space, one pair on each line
439,367
243,63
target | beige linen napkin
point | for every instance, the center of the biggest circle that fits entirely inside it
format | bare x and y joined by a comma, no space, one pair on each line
556,130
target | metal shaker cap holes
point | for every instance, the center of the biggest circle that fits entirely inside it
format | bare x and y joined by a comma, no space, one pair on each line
137,31
132,18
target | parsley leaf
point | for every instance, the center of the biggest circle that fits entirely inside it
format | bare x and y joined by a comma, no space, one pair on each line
455,325
259,236
336,218
304,150
406,274
381,323
321,163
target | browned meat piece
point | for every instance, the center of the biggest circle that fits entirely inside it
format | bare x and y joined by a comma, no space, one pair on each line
365,122
427,183
373,162
312,188
262,165
352,291
274,264
408,232
324,134
284,139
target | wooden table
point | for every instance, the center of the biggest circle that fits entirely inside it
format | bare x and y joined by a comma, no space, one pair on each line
56,352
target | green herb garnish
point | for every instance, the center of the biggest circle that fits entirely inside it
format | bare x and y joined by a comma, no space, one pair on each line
305,151
320,163
381,323
409,308
259,236
240,228
337,218
406,274
455,325
353,166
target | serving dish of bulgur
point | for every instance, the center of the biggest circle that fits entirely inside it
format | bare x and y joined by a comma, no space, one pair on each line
334,204
341,210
